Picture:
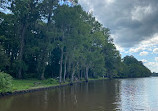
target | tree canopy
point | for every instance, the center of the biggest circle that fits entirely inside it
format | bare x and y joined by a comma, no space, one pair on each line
44,39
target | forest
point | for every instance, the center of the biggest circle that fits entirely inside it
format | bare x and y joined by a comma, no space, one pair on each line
48,39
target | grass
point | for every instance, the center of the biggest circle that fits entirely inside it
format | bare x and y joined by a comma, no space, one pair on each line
19,85
33,84
100,78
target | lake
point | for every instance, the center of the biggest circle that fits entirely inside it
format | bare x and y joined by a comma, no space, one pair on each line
138,94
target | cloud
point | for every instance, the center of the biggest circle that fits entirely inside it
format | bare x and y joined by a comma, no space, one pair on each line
156,59
153,66
109,1
119,48
143,53
144,60
148,44
155,51
134,50
133,25
131,21
139,13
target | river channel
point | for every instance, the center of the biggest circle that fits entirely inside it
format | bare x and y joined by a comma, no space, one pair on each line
138,94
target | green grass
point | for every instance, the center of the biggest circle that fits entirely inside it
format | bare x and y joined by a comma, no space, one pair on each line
100,78
32,84
19,85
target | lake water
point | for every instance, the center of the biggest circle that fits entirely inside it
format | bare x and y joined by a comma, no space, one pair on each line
139,94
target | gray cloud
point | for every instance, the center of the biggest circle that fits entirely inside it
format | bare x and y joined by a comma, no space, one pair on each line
130,21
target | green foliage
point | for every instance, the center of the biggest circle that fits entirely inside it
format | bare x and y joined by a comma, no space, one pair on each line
50,81
3,59
5,82
42,39
134,68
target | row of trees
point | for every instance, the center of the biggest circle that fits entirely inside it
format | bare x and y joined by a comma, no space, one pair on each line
134,68
44,39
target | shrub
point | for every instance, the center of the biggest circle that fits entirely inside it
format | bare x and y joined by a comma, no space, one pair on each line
5,82
50,81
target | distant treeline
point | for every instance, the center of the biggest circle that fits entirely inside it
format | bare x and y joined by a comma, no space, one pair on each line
154,74
44,39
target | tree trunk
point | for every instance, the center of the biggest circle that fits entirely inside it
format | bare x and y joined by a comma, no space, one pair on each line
87,69
42,73
68,68
22,38
81,75
65,68
52,74
45,50
42,61
61,66
72,76
41,67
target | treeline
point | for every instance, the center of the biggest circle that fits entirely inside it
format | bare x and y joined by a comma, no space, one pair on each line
134,68
154,74
44,39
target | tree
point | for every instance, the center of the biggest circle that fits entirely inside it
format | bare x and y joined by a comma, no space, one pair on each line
43,39
135,67
25,13
3,59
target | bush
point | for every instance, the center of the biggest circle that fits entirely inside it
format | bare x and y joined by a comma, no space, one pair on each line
50,81
5,82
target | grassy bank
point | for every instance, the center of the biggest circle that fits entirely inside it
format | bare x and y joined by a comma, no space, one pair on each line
29,84
32,84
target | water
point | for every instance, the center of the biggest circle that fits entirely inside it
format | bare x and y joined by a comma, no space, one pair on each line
139,94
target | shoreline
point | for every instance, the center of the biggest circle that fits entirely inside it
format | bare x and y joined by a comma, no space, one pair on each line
19,92
42,88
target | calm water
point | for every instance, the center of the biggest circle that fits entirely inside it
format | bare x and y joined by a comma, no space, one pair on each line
107,95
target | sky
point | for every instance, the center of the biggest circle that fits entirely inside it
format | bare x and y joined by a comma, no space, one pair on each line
133,25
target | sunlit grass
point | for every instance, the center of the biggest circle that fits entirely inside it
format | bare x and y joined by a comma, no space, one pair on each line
32,84
19,85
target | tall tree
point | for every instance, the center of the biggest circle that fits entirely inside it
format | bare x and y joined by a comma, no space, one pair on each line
26,13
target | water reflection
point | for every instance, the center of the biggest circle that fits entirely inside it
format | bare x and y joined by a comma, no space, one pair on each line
107,95
138,94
